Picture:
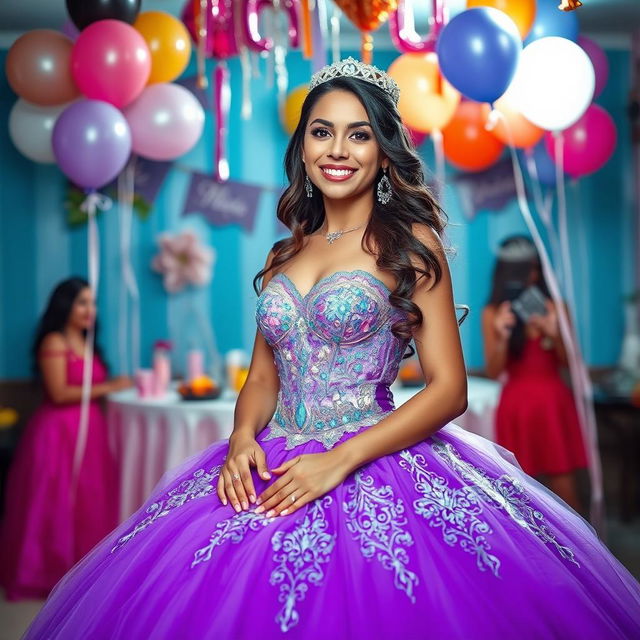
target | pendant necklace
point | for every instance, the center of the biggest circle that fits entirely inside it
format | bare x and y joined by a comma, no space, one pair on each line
335,235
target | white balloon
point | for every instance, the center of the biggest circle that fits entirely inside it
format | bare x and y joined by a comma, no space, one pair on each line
553,84
31,129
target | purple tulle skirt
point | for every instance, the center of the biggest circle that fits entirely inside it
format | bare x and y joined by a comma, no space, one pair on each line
448,539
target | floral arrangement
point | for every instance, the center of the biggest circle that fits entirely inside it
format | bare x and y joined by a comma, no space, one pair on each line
183,261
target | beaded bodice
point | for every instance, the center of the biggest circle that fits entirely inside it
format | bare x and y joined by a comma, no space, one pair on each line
335,354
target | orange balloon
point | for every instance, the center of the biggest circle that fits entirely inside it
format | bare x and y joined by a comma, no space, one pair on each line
169,43
467,143
524,134
522,12
427,100
367,15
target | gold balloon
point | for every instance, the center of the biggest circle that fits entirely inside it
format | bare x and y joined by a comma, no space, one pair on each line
367,15
290,114
427,100
169,44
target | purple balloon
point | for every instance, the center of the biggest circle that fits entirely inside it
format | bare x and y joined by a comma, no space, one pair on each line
91,142
599,61
70,30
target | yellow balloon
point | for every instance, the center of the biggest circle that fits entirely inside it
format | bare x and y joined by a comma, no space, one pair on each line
522,12
169,43
290,113
427,100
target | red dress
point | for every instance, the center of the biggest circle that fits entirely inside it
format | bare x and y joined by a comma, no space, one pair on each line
45,530
536,417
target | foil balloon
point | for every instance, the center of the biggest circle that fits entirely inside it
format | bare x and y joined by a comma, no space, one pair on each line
367,15
249,19
405,38
219,29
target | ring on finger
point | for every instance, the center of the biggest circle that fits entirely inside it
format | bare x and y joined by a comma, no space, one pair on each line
293,497
236,476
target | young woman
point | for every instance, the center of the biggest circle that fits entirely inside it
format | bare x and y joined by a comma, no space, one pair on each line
536,418
49,524
329,514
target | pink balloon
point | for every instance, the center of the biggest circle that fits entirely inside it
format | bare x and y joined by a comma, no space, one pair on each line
588,144
110,61
220,41
165,121
599,61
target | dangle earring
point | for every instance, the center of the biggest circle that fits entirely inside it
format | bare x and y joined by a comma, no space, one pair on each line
384,190
308,187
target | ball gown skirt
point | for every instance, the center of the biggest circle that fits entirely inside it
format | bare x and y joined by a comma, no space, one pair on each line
46,527
536,418
447,539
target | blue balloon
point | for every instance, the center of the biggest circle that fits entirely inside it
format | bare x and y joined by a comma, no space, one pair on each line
550,21
545,167
478,52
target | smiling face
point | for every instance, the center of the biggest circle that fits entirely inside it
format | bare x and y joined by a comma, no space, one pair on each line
340,152
83,311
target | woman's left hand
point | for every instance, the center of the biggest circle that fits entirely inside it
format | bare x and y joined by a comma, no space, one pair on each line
548,323
302,480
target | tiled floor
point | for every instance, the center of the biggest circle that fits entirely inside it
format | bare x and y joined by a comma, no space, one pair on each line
623,540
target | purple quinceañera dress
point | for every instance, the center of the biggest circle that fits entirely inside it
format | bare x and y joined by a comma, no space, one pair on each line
447,539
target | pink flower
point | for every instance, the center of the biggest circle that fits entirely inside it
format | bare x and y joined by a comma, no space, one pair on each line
183,261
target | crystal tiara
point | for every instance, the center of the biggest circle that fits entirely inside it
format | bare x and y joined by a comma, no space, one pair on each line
352,68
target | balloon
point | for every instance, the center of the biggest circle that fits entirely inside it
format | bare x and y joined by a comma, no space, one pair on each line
522,12
37,67
554,83
588,144
427,100
515,128
169,44
221,41
478,52
70,30
165,121
408,41
85,12
290,112
367,15
91,143
552,22
467,143
545,167
250,10
111,62
599,61
31,128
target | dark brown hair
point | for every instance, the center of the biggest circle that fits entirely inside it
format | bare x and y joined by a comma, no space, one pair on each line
389,230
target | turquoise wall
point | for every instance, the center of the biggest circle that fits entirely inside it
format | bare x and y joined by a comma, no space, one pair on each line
37,248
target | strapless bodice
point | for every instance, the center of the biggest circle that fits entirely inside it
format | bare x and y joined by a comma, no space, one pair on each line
335,353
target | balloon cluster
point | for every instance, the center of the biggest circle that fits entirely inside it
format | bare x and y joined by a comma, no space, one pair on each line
91,95
505,72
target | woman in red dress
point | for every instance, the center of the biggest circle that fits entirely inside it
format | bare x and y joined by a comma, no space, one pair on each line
536,417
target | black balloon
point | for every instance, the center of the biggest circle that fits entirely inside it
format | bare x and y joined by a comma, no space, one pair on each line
84,12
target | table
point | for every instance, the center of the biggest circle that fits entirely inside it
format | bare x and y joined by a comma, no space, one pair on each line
151,436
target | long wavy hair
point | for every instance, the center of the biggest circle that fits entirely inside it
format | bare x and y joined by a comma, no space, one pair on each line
56,315
388,234
517,260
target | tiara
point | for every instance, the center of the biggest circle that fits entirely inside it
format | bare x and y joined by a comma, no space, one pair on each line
352,68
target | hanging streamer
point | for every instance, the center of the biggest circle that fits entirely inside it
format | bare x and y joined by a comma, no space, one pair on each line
307,37
222,103
280,39
319,29
438,148
335,34
92,203
201,45
366,47
245,63
581,385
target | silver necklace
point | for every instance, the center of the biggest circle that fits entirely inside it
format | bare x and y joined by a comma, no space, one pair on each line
335,235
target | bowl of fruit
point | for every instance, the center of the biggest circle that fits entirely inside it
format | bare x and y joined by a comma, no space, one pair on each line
200,388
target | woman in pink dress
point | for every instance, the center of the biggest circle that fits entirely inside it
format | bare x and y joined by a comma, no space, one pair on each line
50,521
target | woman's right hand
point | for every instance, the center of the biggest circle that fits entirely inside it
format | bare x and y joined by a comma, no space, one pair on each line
504,320
235,483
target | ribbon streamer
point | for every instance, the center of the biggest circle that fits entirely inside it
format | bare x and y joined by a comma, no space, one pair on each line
201,48
318,23
438,148
222,103
92,203
335,34
581,385
307,37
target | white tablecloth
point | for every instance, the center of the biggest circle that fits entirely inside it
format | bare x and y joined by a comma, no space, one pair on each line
151,436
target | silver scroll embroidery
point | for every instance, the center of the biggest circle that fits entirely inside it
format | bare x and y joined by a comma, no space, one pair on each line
200,485
505,493
454,511
377,522
300,555
232,530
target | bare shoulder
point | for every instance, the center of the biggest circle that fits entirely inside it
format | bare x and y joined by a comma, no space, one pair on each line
54,343
429,238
